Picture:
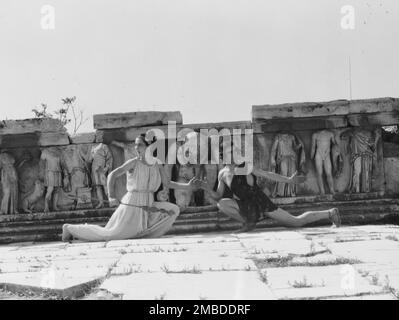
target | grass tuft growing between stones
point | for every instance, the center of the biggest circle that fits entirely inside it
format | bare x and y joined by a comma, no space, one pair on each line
263,276
193,269
305,284
300,284
288,261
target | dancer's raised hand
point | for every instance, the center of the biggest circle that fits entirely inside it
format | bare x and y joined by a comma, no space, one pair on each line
195,183
201,184
297,179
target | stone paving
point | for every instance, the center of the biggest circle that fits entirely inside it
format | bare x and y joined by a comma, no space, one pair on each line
359,262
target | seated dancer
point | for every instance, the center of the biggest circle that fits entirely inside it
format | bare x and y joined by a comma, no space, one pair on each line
240,198
138,215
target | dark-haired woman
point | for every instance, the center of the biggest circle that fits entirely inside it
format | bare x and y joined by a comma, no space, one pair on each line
138,215
240,197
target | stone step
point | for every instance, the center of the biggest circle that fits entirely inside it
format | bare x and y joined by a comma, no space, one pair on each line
387,205
182,224
48,226
348,204
105,212
184,218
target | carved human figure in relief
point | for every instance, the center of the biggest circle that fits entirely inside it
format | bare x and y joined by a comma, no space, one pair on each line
101,165
29,201
77,169
185,173
287,156
196,158
363,147
129,151
321,151
9,184
53,170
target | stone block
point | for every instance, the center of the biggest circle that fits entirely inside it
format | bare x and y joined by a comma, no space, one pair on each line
316,282
30,126
391,150
131,133
377,105
230,285
378,119
83,138
300,110
299,124
391,167
43,139
135,119
181,262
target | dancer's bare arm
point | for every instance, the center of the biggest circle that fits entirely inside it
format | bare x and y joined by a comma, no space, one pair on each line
277,177
128,165
216,195
193,184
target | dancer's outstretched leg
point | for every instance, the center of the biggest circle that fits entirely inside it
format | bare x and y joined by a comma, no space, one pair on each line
230,208
66,235
288,220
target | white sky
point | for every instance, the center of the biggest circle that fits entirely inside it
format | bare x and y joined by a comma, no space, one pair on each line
210,59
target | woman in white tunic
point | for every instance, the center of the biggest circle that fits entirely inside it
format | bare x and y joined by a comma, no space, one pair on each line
138,215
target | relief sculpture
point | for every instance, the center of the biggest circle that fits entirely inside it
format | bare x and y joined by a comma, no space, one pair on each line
287,157
78,176
363,150
326,155
53,177
9,184
101,166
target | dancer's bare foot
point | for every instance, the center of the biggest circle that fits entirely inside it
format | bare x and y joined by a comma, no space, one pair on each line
100,205
335,217
246,228
66,235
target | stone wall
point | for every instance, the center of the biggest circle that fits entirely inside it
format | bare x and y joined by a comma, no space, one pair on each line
37,155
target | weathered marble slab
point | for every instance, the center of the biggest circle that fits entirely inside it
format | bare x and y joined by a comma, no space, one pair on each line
188,267
391,167
319,279
231,285
300,124
374,119
31,125
300,110
374,105
135,119
131,133
83,138
379,111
